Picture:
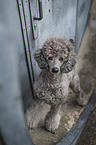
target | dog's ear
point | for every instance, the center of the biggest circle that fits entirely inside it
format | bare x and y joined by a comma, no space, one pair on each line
72,41
39,57
69,64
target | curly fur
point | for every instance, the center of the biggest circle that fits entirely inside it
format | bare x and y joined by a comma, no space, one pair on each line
57,61
52,47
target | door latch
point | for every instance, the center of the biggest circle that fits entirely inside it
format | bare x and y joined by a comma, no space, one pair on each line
40,11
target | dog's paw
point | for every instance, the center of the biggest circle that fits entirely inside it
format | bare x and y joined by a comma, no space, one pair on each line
82,101
32,116
31,120
51,123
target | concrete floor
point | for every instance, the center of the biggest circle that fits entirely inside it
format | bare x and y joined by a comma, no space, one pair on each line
70,111
88,136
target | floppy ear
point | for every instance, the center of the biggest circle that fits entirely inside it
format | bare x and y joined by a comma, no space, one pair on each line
69,65
39,57
72,41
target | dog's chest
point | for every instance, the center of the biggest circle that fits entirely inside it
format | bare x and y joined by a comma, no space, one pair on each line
55,83
52,89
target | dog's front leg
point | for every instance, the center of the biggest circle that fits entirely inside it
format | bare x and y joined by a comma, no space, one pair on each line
75,86
33,114
52,118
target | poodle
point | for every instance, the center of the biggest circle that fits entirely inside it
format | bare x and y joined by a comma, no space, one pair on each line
57,61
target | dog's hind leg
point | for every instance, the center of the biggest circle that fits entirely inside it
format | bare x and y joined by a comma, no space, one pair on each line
75,86
52,118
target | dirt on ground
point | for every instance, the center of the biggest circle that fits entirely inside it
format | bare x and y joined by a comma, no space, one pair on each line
70,111
88,136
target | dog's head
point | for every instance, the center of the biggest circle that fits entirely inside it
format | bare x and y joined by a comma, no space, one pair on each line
56,56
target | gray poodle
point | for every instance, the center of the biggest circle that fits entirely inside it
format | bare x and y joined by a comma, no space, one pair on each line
57,61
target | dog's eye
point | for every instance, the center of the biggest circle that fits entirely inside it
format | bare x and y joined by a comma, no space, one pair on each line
50,58
64,52
61,59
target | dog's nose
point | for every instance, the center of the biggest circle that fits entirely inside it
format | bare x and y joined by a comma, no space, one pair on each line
55,70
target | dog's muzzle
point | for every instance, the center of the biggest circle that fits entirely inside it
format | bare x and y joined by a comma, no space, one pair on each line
55,70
